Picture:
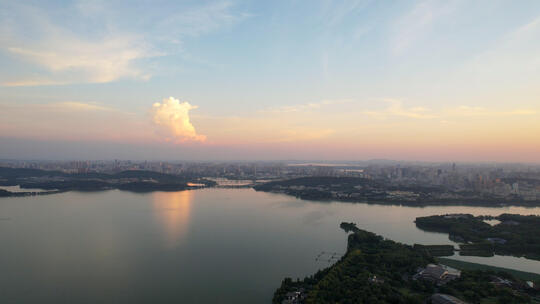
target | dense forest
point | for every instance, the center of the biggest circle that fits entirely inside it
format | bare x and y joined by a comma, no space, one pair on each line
515,234
378,270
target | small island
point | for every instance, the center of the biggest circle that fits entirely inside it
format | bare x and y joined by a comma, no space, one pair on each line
378,270
506,234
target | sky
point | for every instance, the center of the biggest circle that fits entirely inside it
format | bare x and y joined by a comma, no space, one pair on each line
270,80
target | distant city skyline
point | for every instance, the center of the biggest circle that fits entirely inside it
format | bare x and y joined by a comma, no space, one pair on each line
278,80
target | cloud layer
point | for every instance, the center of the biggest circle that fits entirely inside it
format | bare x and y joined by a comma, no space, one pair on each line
88,43
98,61
172,119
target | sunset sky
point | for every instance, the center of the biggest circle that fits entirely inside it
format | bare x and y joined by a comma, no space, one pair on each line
270,80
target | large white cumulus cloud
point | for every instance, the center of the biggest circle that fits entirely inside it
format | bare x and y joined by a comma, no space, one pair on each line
172,118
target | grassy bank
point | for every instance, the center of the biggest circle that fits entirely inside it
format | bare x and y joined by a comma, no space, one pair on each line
527,276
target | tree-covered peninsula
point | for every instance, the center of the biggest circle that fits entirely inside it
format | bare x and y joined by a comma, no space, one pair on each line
129,180
384,191
378,270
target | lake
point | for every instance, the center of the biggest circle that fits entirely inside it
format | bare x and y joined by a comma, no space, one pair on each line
199,246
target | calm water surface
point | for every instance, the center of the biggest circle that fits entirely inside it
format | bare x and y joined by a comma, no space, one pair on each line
201,246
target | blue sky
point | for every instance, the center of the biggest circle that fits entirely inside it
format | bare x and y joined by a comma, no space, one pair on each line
242,62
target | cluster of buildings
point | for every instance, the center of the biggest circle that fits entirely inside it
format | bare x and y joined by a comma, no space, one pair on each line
295,297
497,180
207,169
442,274
437,274
504,181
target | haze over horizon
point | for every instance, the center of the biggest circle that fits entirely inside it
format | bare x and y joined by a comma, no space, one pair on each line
252,80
